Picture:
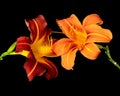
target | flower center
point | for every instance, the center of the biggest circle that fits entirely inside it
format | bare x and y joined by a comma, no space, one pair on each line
79,37
41,49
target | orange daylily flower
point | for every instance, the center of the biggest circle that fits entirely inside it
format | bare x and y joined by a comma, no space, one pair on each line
82,37
36,49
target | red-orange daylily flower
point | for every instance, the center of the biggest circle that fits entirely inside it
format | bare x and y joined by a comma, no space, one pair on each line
36,48
82,37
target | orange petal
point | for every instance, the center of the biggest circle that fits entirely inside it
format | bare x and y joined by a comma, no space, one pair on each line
90,51
98,34
62,46
92,19
70,26
74,21
68,59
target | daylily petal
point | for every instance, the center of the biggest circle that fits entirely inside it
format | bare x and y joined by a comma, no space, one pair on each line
98,34
74,21
90,51
70,26
37,27
23,43
51,69
62,46
68,59
33,68
92,19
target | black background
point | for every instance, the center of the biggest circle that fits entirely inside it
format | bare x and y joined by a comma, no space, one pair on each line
86,75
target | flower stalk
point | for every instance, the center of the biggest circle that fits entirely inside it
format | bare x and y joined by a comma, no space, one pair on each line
107,52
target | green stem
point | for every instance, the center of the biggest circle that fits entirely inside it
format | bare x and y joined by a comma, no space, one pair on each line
107,52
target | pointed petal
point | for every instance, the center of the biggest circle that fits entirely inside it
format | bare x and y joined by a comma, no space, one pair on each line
51,69
90,51
68,59
71,26
33,69
23,43
62,46
92,19
98,34
73,20
37,27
